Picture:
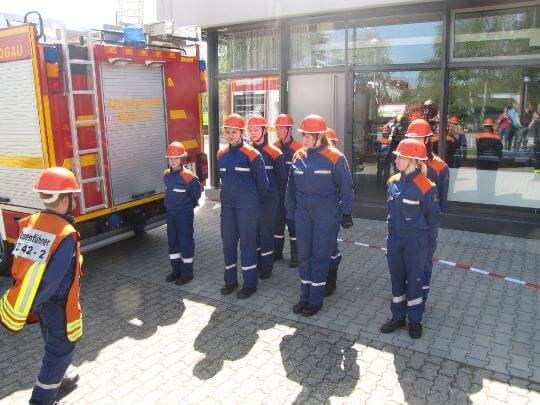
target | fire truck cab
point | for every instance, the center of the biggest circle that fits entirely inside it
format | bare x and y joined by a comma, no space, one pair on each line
107,111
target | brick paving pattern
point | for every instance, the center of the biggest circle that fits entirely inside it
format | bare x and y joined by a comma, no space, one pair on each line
147,341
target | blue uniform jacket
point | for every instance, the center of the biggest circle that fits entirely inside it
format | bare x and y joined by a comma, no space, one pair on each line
274,164
319,176
60,271
288,149
182,189
413,204
438,173
242,176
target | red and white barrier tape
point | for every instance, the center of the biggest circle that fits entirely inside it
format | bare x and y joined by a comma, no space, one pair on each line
461,266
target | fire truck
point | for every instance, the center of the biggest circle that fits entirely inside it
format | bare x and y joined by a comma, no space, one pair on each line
106,111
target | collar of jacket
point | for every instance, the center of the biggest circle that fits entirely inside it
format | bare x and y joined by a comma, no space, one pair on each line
68,218
236,147
260,147
291,139
408,178
318,149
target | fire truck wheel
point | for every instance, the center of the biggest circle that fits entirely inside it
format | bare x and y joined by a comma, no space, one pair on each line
5,257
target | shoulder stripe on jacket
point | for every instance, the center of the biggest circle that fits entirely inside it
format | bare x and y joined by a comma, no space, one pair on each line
272,150
222,151
250,152
331,154
423,183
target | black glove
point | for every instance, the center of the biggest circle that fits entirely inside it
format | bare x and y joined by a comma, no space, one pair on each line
346,221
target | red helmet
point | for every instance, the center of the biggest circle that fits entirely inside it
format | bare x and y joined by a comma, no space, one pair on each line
234,121
257,121
284,120
57,180
453,120
176,149
488,122
419,128
386,129
332,136
412,149
313,124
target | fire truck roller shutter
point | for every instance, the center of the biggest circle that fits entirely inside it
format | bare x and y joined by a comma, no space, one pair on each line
135,129
21,152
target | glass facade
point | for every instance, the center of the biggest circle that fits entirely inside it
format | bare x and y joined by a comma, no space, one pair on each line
392,72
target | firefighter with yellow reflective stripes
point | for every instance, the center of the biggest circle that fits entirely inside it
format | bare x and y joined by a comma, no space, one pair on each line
47,268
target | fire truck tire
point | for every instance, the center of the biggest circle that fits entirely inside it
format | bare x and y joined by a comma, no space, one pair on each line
5,258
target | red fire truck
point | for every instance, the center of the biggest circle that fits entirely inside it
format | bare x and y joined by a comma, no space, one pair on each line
105,111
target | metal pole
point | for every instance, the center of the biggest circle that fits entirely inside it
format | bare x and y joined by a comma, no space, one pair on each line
213,104
284,62
445,57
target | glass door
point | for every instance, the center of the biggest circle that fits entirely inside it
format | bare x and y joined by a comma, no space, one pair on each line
384,104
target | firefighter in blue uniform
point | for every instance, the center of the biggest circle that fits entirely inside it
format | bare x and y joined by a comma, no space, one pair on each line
319,188
276,173
243,179
413,210
288,147
439,174
182,193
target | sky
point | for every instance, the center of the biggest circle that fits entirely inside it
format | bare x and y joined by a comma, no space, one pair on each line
75,13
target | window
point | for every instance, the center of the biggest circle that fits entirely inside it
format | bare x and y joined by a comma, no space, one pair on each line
317,45
496,33
249,50
417,42
495,169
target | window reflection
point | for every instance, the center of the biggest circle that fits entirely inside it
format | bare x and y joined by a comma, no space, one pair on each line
384,104
316,45
416,42
504,32
249,50
248,96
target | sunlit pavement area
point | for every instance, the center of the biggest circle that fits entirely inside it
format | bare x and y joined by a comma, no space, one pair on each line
148,341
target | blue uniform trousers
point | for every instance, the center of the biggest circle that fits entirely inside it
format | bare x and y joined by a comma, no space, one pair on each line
240,224
426,277
181,243
317,229
406,257
279,232
267,224
58,353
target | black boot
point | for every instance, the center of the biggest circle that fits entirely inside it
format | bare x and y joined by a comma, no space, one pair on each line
298,308
183,280
278,256
294,254
172,277
415,330
311,310
392,325
245,292
68,385
263,275
331,280
228,289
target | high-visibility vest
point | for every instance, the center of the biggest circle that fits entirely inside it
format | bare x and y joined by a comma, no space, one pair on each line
39,237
